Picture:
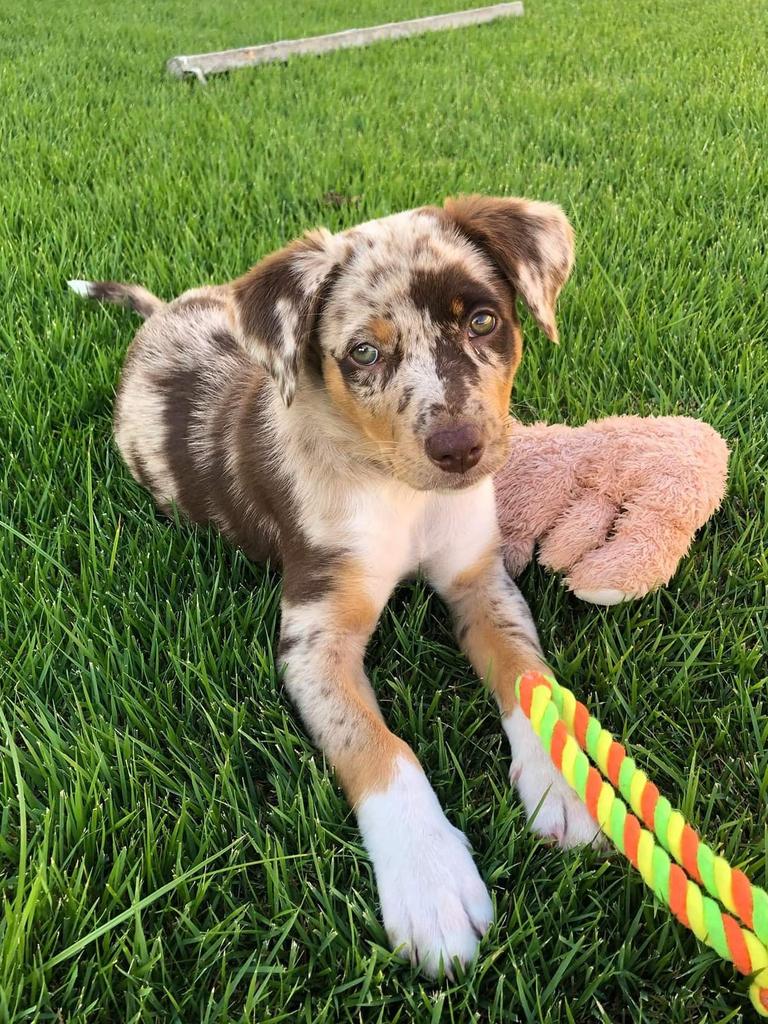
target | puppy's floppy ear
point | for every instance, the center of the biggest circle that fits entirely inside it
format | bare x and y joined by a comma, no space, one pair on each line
277,303
531,243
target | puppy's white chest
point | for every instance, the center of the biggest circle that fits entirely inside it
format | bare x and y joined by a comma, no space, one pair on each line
398,530
457,530
388,528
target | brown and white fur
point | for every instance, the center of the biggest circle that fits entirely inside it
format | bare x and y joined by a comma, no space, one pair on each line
243,405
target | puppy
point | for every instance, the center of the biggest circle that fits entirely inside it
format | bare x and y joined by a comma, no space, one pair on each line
341,409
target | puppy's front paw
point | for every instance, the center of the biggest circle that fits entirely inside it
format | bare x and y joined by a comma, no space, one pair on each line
556,812
434,904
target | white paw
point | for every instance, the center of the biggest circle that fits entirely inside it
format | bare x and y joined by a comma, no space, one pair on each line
434,904
554,809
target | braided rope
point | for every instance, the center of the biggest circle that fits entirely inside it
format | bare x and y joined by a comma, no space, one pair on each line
729,885
567,730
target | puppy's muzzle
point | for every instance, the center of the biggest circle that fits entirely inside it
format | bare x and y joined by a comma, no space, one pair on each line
455,449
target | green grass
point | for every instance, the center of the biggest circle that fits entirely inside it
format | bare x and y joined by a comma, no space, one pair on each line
171,847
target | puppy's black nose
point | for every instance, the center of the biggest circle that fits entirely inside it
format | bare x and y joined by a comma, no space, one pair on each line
455,449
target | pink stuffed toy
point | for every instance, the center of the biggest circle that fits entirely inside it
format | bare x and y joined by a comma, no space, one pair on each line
613,504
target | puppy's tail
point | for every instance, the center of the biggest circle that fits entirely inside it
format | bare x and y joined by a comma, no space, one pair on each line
131,295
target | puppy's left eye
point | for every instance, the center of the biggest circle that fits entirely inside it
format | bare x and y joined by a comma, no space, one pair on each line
482,323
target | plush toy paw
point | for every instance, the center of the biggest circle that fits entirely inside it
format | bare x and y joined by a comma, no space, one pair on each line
607,596
613,505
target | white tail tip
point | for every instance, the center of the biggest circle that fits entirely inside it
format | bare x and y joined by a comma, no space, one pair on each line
80,287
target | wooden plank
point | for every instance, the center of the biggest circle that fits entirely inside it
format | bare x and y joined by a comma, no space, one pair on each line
202,64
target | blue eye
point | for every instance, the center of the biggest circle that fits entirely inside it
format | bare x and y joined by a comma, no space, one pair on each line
364,354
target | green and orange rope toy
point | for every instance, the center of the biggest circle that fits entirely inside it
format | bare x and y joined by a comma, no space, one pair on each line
569,733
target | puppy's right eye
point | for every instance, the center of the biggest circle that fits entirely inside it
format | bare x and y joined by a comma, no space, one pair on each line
364,354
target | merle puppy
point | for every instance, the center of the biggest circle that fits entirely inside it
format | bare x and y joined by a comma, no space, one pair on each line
341,409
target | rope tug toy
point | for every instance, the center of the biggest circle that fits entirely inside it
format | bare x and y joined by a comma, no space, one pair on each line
569,733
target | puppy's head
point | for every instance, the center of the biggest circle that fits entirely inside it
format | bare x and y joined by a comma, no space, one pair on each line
409,326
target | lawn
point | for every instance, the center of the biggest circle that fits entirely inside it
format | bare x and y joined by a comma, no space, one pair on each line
171,847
